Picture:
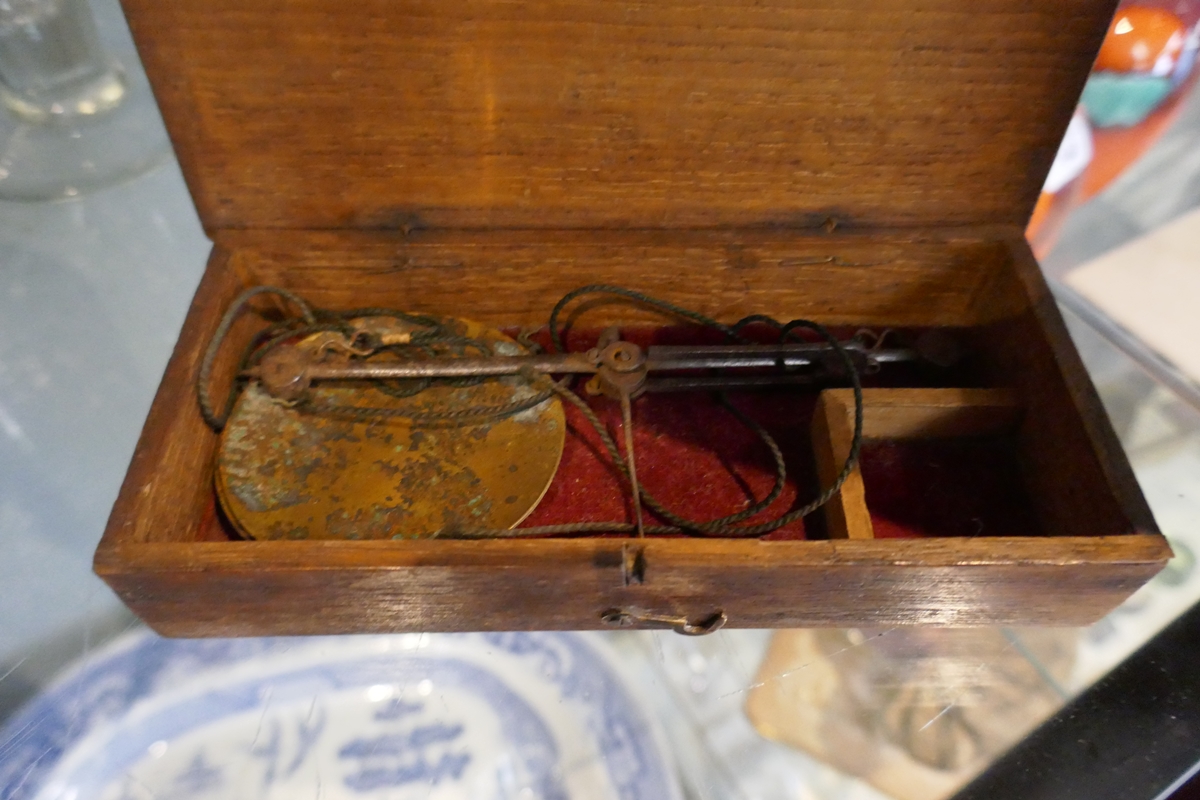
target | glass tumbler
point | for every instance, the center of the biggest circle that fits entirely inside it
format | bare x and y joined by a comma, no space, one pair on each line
73,117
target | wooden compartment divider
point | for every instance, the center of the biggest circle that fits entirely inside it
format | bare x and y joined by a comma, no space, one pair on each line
896,414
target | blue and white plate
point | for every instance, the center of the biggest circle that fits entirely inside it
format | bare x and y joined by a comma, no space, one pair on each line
520,716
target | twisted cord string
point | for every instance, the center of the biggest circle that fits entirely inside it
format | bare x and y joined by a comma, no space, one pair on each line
642,299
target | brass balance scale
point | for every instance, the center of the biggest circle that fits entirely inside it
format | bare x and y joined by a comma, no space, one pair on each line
376,424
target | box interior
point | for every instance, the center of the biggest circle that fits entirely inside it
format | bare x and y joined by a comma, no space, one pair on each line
971,284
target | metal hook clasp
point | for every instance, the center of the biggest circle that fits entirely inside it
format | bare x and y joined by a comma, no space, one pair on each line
627,617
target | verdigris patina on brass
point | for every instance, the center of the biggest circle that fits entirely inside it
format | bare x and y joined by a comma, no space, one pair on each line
358,462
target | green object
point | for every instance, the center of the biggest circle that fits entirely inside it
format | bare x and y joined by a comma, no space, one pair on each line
1115,99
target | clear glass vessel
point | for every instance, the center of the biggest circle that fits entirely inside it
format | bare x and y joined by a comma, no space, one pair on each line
73,116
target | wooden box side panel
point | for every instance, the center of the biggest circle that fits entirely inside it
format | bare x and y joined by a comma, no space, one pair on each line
929,278
846,515
606,113
168,483
300,588
1073,463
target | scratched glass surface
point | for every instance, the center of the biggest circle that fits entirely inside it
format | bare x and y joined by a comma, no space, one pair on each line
92,294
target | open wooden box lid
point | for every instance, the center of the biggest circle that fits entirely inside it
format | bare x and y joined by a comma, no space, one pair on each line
496,155
318,114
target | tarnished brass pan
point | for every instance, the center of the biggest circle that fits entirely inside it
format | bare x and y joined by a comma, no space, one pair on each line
373,472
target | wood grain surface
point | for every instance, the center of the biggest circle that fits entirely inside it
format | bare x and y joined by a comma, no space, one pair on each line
256,588
846,515
169,480
580,113
1076,470
502,277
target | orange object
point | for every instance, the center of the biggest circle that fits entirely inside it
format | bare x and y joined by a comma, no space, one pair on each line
1142,39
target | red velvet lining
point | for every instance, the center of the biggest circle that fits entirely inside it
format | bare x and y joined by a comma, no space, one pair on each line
692,455
945,487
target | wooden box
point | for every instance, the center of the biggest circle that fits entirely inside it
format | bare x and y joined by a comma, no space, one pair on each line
857,163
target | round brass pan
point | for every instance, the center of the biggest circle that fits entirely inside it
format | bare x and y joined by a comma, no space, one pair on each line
298,473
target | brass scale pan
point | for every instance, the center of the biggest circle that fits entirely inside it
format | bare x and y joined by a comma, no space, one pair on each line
284,474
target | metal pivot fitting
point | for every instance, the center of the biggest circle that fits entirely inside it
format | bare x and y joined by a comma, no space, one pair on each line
620,367
621,375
